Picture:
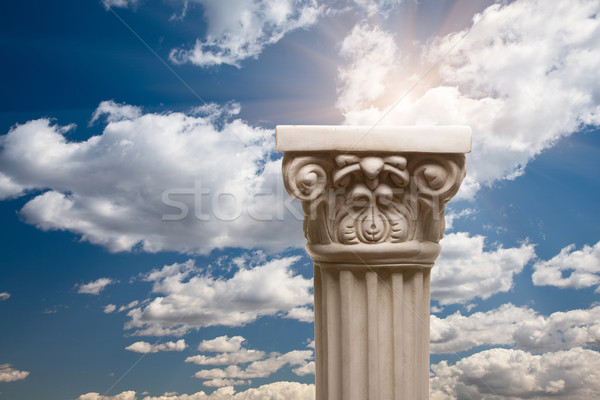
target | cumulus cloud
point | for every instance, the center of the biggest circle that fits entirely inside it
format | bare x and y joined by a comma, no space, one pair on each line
145,347
9,188
154,182
4,296
237,30
516,326
272,391
236,357
221,382
304,314
306,369
466,270
189,298
222,344
258,369
570,268
95,287
127,395
261,365
515,374
9,374
523,77
230,349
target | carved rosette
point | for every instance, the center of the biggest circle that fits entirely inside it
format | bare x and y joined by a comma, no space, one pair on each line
378,205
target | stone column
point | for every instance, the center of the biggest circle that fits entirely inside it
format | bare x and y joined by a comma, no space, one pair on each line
373,200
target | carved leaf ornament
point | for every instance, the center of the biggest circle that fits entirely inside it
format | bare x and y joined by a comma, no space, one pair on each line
373,198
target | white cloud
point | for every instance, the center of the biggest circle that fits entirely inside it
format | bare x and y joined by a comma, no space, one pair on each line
261,365
129,306
220,382
303,314
570,268
238,30
109,308
525,76
222,344
230,349
435,309
9,188
145,347
154,182
236,357
465,270
373,62
560,330
306,369
9,374
271,391
115,112
457,332
189,299
261,368
127,395
516,326
4,296
276,391
94,287
452,215
515,374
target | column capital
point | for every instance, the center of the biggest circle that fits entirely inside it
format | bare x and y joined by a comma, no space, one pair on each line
373,195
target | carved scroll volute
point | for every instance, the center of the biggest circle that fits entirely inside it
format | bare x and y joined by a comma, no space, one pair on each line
436,179
306,179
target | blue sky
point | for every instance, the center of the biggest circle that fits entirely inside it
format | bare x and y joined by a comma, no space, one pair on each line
149,250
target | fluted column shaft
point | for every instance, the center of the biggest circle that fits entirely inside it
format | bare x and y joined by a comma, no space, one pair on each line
374,214
372,327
